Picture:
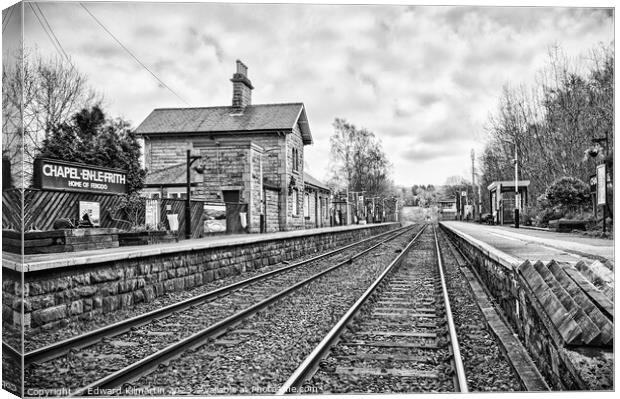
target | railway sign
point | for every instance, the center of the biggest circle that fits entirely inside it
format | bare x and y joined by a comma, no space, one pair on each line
52,174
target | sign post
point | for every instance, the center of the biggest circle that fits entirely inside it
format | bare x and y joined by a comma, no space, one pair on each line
601,191
593,184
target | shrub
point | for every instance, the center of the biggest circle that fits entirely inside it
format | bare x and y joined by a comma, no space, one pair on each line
568,192
133,208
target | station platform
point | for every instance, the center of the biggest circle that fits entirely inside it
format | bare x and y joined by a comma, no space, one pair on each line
530,244
39,262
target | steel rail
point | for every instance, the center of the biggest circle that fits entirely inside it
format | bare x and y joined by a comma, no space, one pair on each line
461,380
145,365
307,368
7,349
60,348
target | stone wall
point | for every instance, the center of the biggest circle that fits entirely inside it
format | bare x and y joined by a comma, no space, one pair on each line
272,205
294,141
256,205
53,297
160,153
556,362
226,168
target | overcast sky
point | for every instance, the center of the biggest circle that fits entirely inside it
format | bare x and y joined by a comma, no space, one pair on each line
423,79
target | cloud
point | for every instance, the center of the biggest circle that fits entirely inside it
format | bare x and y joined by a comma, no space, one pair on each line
422,152
423,79
213,42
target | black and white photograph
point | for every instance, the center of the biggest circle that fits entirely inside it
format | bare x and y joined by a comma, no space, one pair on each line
325,198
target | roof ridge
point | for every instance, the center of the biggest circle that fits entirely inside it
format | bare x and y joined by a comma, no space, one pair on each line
228,106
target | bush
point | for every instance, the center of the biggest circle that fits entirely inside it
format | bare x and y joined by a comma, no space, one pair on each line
133,208
568,192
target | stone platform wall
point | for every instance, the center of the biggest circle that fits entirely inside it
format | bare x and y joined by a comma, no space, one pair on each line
561,365
53,297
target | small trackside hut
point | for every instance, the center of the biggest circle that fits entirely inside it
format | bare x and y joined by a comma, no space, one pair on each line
502,197
251,159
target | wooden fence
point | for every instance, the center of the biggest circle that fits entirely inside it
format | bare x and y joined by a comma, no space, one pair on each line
42,208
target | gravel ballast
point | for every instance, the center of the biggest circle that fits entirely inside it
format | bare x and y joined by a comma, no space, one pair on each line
80,368
258,355
486,366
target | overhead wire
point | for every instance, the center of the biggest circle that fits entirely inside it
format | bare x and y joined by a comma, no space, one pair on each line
46,31
132,54
52,31
5,23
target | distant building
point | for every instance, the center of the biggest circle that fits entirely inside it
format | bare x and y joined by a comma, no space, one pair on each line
251,154
316,202
502,199
447,208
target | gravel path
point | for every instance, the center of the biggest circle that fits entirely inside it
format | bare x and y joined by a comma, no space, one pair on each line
258,355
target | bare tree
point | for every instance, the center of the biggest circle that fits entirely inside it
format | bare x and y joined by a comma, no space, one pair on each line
358,161
551,124
37,95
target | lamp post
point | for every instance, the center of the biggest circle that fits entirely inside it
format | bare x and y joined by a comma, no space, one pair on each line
188,206
517,202
593,154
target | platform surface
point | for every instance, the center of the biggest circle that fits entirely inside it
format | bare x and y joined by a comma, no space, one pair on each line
65,259
528,244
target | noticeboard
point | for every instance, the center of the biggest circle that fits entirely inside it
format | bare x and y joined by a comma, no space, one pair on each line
601,192
52,174
151,216
93,210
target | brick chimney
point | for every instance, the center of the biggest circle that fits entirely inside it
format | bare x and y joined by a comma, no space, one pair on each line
242,87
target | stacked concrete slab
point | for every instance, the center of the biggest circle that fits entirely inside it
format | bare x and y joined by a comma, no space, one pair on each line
562,313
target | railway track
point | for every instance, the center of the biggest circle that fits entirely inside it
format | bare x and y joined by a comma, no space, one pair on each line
133,347
258,354
398,337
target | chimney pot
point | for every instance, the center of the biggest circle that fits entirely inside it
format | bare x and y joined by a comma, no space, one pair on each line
242,87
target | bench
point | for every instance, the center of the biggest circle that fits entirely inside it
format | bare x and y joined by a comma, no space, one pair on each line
567,225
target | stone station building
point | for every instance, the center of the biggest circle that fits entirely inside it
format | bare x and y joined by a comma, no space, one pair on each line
249,154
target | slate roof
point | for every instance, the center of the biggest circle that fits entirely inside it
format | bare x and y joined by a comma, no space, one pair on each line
310,180
508,183
227,119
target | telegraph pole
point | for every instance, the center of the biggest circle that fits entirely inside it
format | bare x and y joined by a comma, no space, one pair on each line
473,185
517,205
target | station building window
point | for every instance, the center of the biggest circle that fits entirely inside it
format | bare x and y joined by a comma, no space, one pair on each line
306,206
295,159
231,196
176,193
295,202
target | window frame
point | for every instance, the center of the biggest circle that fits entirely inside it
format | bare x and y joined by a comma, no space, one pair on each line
307,205
295,200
